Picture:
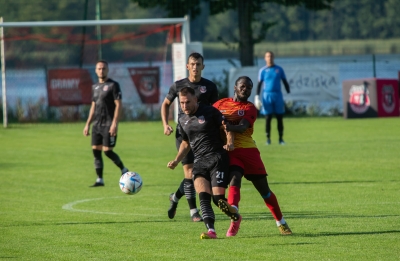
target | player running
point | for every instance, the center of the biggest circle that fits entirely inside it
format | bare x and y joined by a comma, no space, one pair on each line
200,129
245,159
104,112
207,93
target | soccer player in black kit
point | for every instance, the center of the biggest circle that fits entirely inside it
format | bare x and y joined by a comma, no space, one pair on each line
104,112
207,93
200,129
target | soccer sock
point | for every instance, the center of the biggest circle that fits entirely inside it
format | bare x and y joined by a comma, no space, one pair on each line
180,191
268,125
234,196
272,203
281,222
193,211
174,198
114,157
207,210
279,118
98,163
190,193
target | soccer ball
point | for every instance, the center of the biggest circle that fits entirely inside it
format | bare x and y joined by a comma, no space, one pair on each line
130,183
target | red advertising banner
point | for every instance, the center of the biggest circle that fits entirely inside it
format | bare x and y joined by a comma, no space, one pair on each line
388,97
147,82
69,87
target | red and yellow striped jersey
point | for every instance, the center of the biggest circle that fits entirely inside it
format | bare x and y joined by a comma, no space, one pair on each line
234,112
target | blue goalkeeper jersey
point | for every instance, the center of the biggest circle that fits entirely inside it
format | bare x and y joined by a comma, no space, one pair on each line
271,76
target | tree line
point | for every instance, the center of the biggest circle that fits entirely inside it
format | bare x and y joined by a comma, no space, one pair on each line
240,22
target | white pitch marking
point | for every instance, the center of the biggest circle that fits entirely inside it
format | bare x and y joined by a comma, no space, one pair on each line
70,207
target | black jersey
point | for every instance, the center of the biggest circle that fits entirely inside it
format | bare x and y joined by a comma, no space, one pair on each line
206,91
202,130
104,96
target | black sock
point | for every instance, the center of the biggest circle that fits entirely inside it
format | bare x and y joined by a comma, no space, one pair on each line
114,157
279,118
206,210
190,193
180,191
98,163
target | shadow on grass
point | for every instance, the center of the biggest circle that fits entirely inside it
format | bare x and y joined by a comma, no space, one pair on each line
328,234
309,215
326,182
322,234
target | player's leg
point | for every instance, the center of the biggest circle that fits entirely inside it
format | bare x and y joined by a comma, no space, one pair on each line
236,171
280,110
186,187
202,185
97,141
260,182
269,111
219,173
109,143
279,118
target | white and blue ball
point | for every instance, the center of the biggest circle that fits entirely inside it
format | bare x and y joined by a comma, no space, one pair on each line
130,183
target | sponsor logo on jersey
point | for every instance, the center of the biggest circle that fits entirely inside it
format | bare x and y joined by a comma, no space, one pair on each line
186,122
105,88
97,87
359,98
203,89
277,71
201,119
388,98
240,112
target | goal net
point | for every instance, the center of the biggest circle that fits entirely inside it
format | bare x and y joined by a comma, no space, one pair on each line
50,66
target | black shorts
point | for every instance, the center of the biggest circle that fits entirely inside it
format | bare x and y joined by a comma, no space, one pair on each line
189,158
214,169
101,136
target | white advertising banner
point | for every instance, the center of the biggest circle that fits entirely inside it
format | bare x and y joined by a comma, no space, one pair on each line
310,83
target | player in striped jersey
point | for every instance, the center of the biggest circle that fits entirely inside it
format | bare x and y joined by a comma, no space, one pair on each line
245,159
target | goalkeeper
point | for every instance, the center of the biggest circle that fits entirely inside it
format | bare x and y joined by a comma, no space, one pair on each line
272,98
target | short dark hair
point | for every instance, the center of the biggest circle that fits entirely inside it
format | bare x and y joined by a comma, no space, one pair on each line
102,61
186,90
196,56
244,78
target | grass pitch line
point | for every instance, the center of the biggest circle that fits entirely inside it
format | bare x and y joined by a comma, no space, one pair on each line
70,207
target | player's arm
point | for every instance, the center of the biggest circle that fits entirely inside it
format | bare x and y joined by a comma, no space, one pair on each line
183,150
165,115
86,131
230,140
257,101
240,128
117,112
286,84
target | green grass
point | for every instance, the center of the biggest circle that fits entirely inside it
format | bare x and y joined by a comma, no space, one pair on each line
337,182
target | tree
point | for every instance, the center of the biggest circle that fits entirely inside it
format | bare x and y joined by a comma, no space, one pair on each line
247,11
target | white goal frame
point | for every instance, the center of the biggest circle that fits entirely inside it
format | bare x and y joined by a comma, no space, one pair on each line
185,36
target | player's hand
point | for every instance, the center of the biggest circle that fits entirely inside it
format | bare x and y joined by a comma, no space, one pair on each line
229,147
257,102
172,164
168,130
86,130
113,130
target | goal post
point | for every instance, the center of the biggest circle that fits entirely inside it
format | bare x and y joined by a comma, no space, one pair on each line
63,43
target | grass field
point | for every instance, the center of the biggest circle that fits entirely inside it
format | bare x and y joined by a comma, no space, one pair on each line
337,181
